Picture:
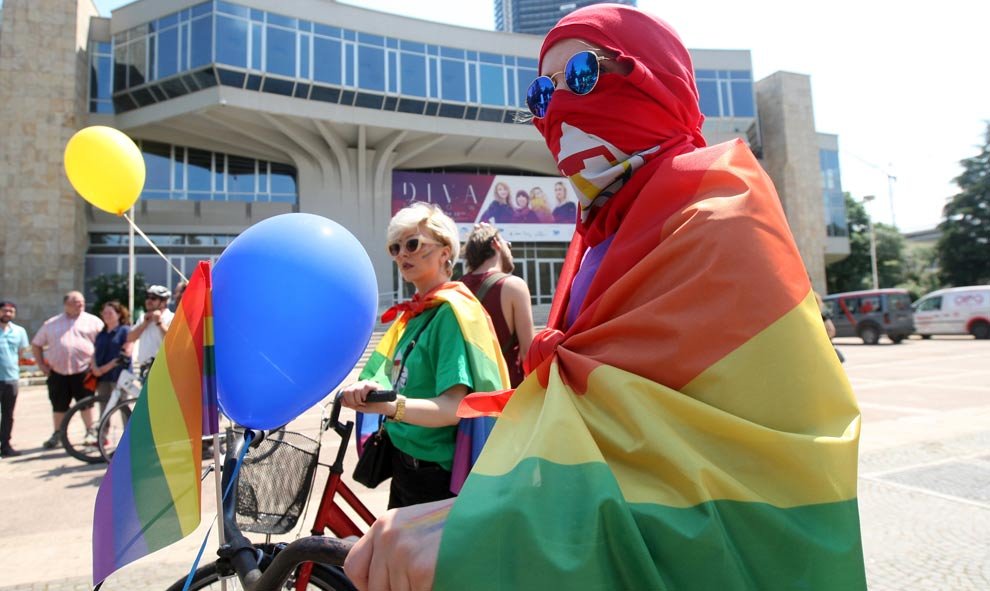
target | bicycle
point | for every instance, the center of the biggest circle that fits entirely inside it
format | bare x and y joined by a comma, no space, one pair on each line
311,562
84,443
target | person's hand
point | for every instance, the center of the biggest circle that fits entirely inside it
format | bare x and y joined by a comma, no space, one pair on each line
353,397
400,550
153,317
44,367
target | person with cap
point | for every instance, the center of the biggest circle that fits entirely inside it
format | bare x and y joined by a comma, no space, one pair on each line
13,343
63,349
149,330
684,423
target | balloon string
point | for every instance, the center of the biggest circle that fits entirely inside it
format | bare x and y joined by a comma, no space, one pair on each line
152,245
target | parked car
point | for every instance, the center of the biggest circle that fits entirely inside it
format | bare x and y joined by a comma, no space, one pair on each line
955,310
871,314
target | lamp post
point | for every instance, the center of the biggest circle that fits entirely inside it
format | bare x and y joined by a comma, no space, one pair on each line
873,243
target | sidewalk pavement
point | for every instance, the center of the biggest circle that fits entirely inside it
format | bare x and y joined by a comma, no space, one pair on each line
924,489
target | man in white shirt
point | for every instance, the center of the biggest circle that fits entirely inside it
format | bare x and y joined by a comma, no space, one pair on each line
149,331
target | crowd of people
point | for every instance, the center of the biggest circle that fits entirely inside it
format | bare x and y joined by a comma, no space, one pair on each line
79,354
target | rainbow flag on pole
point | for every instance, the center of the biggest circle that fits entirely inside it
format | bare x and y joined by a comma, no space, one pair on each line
150,495
694,430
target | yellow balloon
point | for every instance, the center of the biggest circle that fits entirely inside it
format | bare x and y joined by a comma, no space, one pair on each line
105,167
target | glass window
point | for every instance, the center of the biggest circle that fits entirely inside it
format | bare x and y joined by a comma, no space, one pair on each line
349,64
200,173
393,71
168,52
137,66
257,32
452,80
327,31
413,74
234,9
282,21
304,57
930,304
280,51
371,68
179,168
240,174
326,60
232,41
451,52
157,162
742,99
472,82
219,185
524,78
369,39
202,42
433,77
708,91
120,68
899,301
492,85
283,179
102,83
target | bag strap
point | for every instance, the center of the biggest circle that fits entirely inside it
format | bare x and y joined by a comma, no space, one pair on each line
405,354
489,283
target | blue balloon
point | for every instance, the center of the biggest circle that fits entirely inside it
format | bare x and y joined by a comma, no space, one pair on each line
294,304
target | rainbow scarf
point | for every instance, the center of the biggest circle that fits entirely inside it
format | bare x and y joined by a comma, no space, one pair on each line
486,364
150,495
693,430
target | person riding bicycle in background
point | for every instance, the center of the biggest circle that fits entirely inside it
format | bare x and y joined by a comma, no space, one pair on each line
149,330
685,423
434,362
110,343
488,257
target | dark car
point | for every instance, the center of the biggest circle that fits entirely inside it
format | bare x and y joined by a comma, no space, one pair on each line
871,314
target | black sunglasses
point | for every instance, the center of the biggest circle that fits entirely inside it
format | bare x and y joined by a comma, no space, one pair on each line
581,75
412,245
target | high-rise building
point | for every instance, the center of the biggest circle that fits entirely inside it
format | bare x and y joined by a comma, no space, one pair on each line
536,17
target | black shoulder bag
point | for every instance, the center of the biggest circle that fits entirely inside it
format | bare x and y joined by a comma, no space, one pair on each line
375,464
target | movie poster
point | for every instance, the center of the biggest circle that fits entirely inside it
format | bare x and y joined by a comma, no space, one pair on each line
524,208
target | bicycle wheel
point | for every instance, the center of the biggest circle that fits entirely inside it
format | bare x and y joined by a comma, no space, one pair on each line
112,427
78,441
322,577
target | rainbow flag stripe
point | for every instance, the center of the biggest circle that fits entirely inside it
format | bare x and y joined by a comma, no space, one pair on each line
150,495
488,370
695,429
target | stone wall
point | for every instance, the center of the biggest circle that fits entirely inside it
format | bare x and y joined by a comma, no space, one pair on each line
43,87
791,158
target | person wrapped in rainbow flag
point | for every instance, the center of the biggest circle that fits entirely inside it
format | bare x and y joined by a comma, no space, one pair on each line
685,423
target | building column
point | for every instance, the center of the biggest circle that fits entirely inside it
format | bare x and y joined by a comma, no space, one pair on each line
43,101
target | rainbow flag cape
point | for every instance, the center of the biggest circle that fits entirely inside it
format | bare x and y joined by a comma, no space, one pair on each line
694,429
150,495
487,366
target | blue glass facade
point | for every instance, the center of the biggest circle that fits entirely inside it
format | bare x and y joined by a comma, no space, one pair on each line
726,93
836,223
190,174
224,43
100,80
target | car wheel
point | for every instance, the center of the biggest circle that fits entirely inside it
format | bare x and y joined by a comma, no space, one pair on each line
897,338
870,334
980,330
926,336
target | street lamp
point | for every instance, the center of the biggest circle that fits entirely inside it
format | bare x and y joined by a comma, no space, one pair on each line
873,243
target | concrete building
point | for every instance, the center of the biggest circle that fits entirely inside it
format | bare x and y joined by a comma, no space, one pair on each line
249,109
536,17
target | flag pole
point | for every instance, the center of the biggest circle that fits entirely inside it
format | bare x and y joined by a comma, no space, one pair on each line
219,487
130,265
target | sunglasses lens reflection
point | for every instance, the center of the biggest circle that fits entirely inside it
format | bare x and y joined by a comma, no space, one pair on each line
538,96
411,246
581,73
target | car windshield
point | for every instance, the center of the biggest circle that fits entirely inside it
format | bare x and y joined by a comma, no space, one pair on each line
900,302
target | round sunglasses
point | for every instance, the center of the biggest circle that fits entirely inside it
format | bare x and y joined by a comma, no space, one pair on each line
580,74
411,245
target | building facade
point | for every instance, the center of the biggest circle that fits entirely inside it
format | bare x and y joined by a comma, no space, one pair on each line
536,17
245,110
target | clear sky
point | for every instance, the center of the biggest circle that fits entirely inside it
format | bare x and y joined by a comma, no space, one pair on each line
904,85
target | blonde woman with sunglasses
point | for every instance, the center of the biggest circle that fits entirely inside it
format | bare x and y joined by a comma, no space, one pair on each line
439,348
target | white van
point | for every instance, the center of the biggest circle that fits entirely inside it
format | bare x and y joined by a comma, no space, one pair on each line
956,310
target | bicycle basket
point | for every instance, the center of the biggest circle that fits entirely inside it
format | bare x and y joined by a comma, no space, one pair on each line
274,483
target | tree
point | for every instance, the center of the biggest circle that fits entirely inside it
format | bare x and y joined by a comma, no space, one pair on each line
891,263
113,286
854,271
964,247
